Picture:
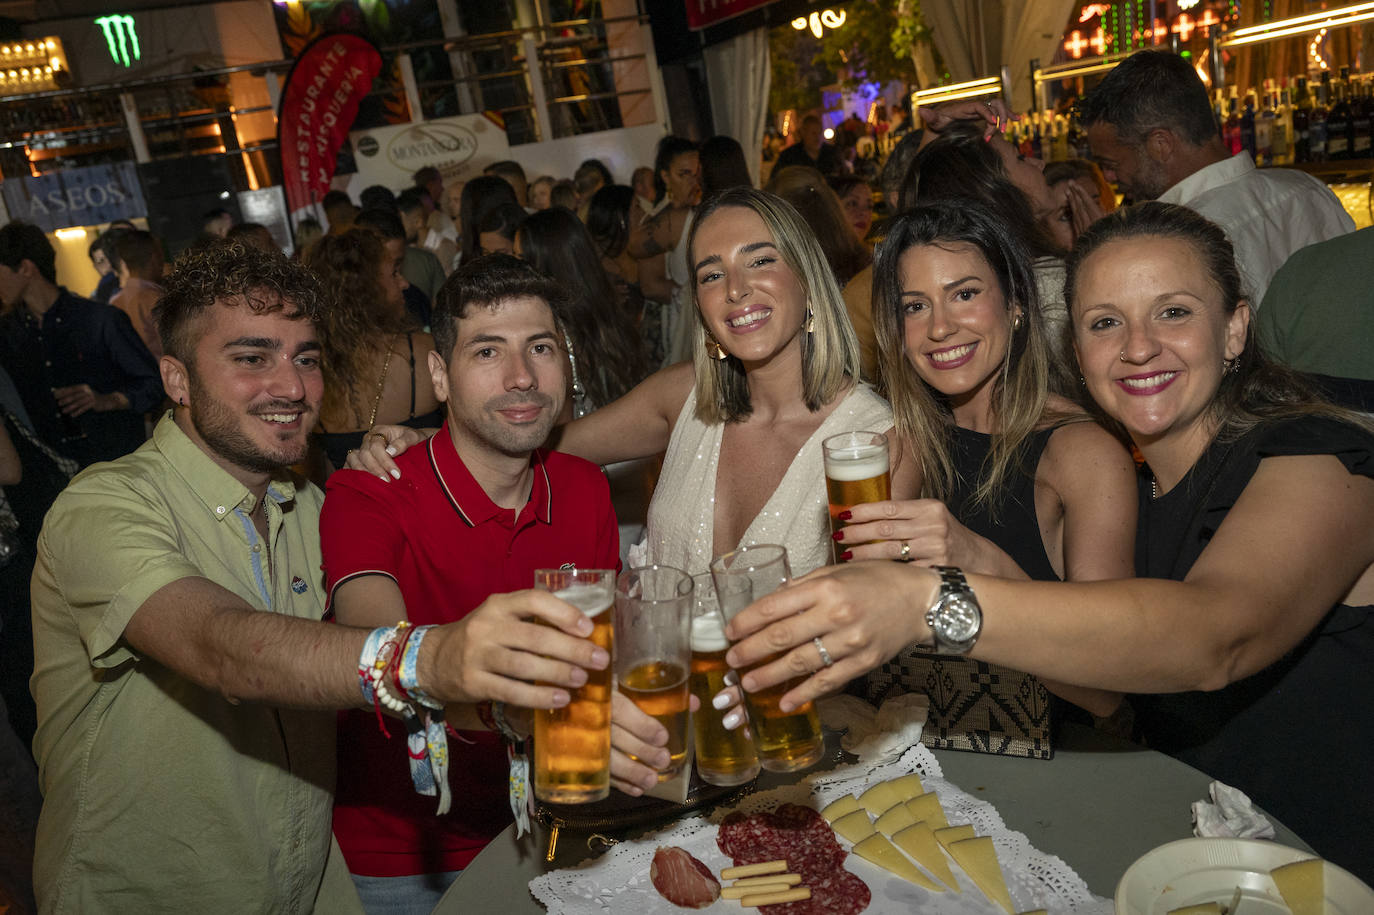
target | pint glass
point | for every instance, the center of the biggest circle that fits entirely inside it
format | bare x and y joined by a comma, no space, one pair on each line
653,622
572,745
856,471
784,741
723,757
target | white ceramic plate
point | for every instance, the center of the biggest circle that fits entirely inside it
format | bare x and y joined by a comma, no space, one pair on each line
1193,871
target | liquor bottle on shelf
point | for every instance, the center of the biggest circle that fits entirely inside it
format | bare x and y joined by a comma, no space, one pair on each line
1362,114
1247,125
1302,112
1316,121
1265,115
1037,144
1078,144
1230,131
1338,119
1061,139
1282,143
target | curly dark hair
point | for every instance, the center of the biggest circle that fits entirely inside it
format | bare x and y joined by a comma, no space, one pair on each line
233,274
358,322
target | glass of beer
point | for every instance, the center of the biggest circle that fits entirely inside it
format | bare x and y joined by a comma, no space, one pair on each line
856,471
785,742
653,624
572,745
723,757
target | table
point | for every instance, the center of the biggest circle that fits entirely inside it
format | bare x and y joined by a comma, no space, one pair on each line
1099,804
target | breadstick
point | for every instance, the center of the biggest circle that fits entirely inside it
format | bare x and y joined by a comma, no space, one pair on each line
754,889
784,879
750,870
759,899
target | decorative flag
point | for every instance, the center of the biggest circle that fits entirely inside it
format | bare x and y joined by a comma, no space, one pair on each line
318,104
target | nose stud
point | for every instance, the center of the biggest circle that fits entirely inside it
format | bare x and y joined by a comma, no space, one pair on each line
1123,355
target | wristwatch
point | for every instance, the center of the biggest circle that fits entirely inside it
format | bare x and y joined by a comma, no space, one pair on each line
955,619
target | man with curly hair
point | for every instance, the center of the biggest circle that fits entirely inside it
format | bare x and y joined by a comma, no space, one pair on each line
186,687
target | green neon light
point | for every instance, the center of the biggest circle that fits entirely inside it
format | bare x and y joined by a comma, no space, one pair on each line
121,37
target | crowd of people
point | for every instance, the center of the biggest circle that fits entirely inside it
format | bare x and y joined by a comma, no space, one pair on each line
1129,459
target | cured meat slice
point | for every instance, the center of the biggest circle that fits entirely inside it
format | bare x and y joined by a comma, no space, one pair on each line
683,880
805,840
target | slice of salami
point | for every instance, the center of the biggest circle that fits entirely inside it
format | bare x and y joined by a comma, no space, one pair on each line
682,879
803,838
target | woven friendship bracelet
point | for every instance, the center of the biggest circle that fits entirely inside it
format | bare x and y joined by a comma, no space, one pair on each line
408,677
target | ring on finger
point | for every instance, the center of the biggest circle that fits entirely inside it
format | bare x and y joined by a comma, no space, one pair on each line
905,554
826,659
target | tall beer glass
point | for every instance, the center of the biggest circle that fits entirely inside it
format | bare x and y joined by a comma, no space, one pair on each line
856,471
653,624
785,742
572,745
723,757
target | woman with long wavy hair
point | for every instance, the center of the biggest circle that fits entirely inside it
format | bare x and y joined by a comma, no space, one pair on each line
607,355
374,355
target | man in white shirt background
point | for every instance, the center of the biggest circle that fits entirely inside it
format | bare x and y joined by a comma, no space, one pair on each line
1151,127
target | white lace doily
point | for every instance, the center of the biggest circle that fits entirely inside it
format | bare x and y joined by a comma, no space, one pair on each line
619,880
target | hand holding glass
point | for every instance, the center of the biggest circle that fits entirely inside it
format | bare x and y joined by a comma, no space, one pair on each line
723,757
856,471
653,623
572,745
785,742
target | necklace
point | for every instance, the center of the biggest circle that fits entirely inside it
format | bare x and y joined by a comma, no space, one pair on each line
1154,487
381,382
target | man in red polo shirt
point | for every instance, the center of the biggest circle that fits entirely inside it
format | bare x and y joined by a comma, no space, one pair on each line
477,509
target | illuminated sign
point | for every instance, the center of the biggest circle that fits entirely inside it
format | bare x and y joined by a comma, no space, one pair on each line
819,22
121,37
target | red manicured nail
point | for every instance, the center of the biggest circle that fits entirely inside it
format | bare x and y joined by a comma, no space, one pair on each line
846,515
846,556
837,536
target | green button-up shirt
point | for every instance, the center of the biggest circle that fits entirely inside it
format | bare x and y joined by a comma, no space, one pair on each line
160,795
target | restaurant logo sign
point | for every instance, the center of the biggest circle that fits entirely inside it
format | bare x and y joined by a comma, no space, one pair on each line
76,196
457,146
121,36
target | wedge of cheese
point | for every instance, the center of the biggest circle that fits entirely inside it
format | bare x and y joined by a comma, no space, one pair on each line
908,786
978,858
838,808
1202,908
879,798
1302,885
853,826
880,851
919,842
1035,912
926,808
948,834
893,819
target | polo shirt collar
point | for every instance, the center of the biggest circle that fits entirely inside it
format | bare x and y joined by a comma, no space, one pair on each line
466,495
211,483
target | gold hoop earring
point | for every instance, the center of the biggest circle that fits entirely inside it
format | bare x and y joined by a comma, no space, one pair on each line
809,325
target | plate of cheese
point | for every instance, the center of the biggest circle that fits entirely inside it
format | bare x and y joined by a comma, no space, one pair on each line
1212,876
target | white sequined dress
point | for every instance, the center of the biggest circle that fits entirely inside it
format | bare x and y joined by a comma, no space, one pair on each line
682,513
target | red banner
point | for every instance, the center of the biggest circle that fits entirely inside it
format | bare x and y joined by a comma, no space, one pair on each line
318,104
701,13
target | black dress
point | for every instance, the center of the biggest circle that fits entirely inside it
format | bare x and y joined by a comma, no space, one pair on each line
336,445
1015,527
1297,736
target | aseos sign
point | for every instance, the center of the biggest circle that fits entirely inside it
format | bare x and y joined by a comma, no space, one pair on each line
318,104
457,146
76,197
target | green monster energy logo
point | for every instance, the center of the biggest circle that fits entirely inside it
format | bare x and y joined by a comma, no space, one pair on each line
121,38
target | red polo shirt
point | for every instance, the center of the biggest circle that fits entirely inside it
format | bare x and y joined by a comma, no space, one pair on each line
448,547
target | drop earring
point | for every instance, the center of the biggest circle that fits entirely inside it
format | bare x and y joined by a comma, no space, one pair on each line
809,325
714,349
1015,323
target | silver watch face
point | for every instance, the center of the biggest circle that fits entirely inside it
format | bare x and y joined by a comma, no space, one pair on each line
960,619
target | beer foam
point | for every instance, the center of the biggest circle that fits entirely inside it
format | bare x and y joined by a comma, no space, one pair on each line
590,599
856,462
708,634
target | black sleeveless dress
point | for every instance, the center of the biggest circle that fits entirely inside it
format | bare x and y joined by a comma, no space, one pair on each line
1298,736
1015,527
336,445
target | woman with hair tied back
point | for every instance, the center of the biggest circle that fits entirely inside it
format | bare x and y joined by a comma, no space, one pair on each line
804,188
374,356
1248,638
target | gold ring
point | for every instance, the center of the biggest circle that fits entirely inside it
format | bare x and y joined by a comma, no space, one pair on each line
905,554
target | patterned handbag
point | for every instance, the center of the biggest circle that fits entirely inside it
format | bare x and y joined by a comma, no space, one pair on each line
974,705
